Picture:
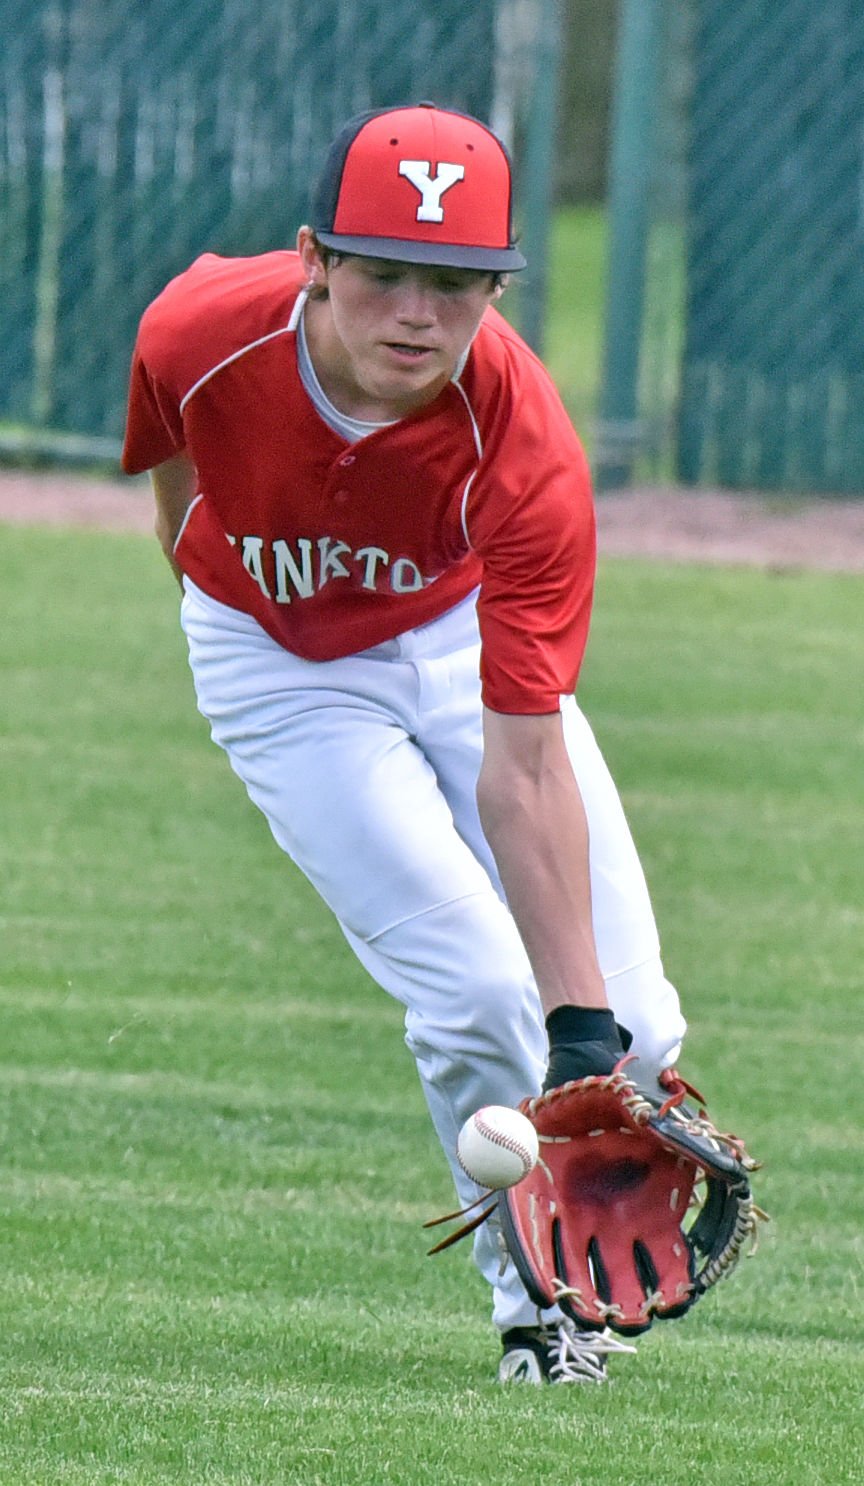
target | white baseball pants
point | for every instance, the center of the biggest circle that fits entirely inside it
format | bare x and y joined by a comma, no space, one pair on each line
365,769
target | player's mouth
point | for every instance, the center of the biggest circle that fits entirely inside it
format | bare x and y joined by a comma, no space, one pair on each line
407,352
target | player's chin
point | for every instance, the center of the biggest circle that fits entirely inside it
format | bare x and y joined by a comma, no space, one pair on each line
418,382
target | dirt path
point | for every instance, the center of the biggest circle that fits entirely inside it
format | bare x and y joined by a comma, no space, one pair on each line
680,525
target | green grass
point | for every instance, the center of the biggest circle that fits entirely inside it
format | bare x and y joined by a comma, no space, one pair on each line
215,1158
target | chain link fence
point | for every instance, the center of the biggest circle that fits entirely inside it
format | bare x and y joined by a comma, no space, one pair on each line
773,375
751,366
134,137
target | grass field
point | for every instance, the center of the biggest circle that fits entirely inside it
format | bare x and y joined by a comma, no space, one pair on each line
215,1155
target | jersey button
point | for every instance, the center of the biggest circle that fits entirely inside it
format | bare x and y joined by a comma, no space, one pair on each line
341,497
348,459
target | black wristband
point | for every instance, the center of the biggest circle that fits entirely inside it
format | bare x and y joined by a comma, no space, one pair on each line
581,1024
583,1040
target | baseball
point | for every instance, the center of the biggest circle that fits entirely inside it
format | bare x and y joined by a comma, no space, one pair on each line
497,1147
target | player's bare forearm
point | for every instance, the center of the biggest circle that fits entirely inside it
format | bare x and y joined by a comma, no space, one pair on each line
534,820
174,484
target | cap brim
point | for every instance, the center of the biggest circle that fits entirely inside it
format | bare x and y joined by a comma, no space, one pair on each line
440,255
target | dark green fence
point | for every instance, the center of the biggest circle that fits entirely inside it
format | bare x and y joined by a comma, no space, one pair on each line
773,380
751,368
133,136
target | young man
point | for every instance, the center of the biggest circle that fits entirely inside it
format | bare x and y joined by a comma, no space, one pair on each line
382,522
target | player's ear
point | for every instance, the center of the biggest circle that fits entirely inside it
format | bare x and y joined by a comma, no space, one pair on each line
312,258
499,284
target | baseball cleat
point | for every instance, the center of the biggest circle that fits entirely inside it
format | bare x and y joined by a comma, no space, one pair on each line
557,1354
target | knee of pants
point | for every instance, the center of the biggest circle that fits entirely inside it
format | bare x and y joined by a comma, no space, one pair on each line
492,1019
463,975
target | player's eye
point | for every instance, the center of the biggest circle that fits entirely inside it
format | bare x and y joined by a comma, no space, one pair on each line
463,281
382,273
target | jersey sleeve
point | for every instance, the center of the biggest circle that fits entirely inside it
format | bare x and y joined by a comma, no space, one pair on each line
530,518
154,426
202,318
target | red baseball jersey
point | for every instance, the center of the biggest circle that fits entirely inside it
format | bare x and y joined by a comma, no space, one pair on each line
335,546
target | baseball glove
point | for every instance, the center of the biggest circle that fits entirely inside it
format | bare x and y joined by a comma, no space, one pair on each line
634,1209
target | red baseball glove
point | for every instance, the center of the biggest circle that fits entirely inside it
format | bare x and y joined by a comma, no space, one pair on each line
633,1210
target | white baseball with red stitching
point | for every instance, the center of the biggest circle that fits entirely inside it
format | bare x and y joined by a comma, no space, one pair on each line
497,1147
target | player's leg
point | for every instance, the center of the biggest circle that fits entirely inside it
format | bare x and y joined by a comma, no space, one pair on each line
328,754
474,1027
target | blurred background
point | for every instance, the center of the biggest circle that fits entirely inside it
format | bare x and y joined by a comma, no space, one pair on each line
690,198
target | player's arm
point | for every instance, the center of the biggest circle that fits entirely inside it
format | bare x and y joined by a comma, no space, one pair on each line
174,487
534,819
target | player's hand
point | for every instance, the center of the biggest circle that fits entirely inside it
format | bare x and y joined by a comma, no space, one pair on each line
582,1041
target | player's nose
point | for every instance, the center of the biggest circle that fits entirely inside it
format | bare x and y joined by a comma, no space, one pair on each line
416,305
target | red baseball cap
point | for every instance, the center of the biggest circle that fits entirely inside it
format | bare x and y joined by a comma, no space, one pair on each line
418,185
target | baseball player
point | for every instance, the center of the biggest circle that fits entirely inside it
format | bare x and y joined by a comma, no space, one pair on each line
382,523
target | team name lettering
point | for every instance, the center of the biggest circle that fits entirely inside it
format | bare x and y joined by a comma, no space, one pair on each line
286,573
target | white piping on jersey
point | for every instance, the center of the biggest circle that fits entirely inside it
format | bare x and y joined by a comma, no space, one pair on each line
462,362
189,509
478,442
464,513
297,311
235,356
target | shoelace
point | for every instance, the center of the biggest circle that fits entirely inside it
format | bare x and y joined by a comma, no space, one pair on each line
579,1355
